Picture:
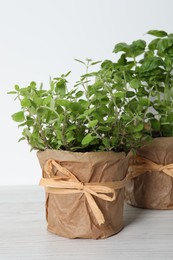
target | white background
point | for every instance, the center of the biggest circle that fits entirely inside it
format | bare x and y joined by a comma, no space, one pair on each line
39,38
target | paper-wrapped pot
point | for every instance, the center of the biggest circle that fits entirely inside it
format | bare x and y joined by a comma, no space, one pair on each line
152,187
70,215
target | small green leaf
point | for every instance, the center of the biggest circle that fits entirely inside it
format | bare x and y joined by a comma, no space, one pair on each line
168,62
157,33
80,61
135,128
87,139
89,111
135,83
68,73
79,94
70,128
16,87
63,102
149,115
153,44
37,101
33,84
18,117
130,94
75,106
21,139
136,48
106,142
104,128
12,92
164,44
46,101
144,102
122,46
151,64
61,87
93,123
119,94
25,102
95,62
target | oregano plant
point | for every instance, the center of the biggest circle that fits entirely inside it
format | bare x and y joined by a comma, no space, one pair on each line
101,112
152,79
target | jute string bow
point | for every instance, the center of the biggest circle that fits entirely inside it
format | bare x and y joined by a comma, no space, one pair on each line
67,183
142,165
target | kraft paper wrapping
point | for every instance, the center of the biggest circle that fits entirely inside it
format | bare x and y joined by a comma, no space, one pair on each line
153,190
69,215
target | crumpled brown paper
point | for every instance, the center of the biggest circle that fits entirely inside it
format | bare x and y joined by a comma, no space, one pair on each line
69,215
153,190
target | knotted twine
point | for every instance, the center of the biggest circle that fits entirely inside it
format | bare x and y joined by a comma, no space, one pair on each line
141,165
68,183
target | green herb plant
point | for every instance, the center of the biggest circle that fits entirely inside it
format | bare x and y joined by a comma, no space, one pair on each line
104,111
152,73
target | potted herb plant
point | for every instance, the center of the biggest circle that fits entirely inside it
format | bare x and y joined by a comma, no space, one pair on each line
82,137
151,170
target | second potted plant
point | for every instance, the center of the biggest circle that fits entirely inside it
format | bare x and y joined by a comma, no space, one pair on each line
151,171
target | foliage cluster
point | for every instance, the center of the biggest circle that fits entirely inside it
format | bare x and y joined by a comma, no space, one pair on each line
117,107
153,78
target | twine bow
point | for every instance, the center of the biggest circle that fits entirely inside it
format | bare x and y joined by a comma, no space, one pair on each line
142,165
67,183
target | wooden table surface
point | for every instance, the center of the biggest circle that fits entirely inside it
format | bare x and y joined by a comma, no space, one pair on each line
148,234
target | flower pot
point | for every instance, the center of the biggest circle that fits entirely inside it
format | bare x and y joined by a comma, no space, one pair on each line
150,176
84,192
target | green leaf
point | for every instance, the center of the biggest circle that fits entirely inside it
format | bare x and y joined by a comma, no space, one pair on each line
168,62
79,94
70,128
139,44
122,46
135,129
106,142
46,101
104,128
135,83
149,115
17,87
157,33
87,139
138,128
164,44
63,102
80,61
153,44
33,84
170,117
93,123
144,102
89,111
151,64
60,88
68,73
155,124
37,101
18,117
136,48
25,102
95,62
21,139
119,94
130,94
75,107
12,92
84,103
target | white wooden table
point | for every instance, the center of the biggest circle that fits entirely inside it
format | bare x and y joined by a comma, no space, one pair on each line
148,234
